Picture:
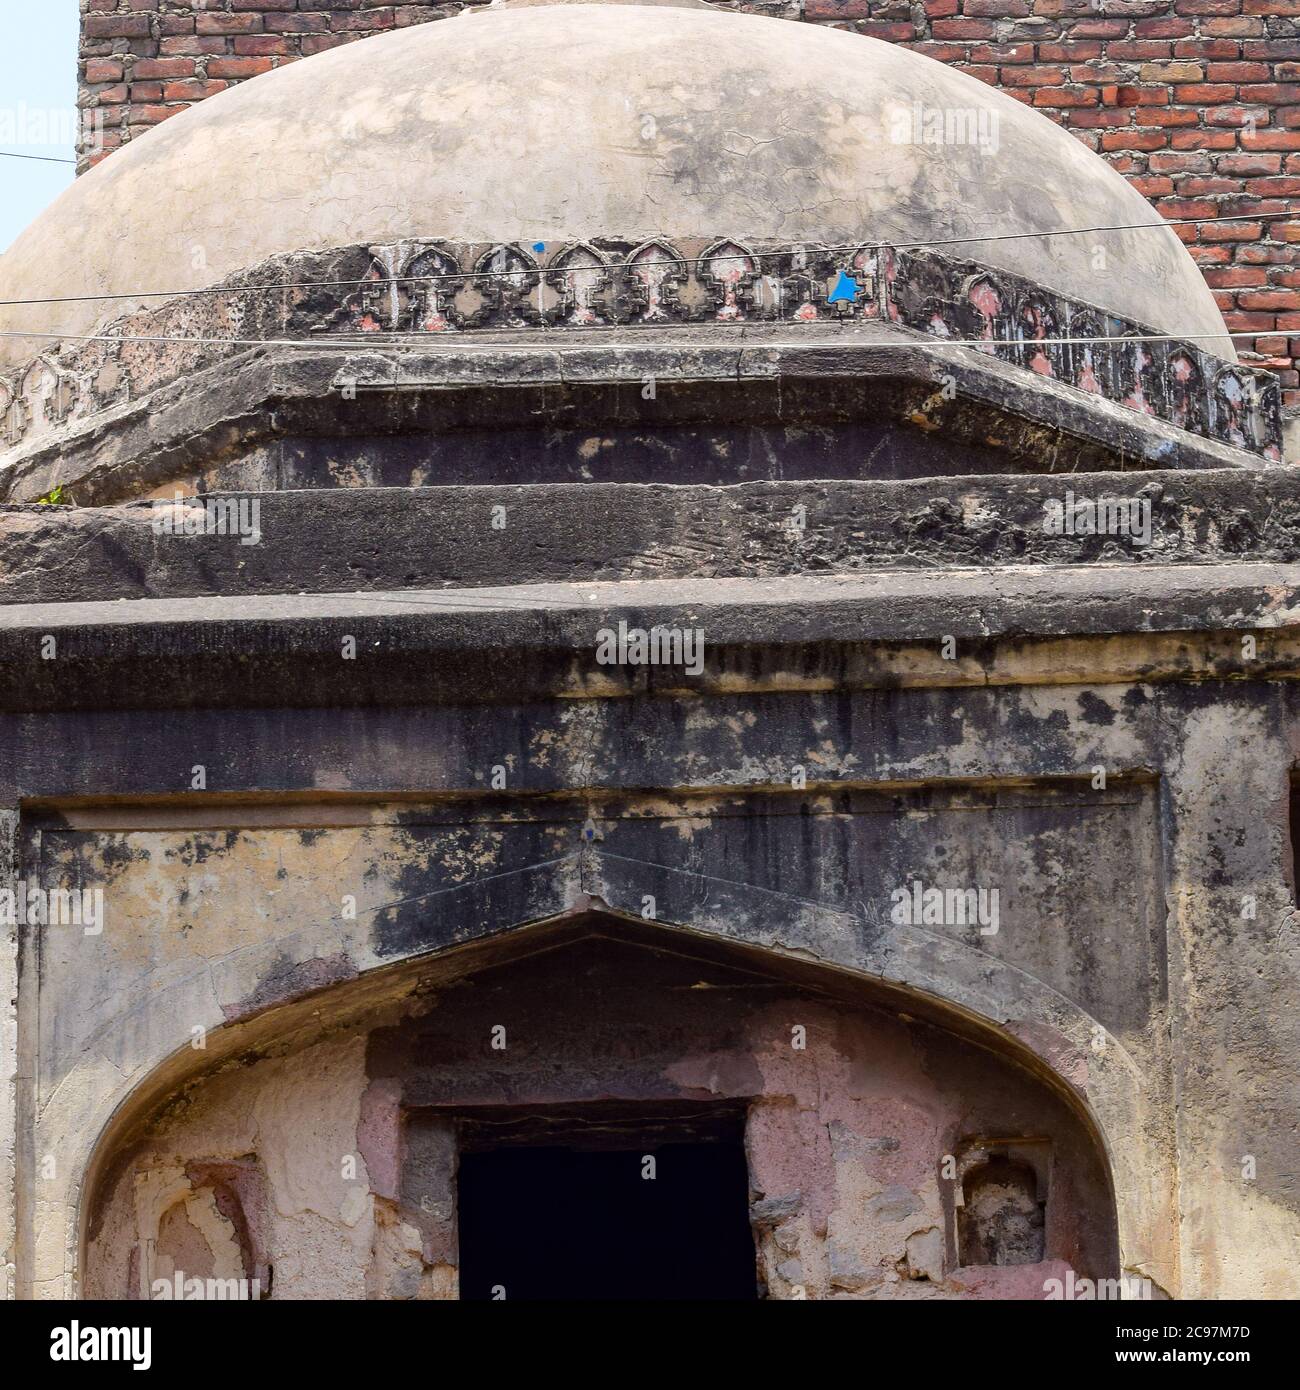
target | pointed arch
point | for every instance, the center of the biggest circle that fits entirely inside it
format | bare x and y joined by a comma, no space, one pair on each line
961,989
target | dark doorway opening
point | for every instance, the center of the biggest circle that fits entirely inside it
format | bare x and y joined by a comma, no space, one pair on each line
567,1205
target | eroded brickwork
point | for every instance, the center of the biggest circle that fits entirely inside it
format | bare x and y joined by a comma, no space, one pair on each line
1197,102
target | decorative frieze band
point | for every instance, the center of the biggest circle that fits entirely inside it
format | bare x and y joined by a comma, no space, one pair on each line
419,288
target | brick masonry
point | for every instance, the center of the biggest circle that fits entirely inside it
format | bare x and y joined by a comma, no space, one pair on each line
1196,102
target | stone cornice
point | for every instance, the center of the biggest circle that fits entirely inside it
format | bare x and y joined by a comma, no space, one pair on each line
1011,625
408,295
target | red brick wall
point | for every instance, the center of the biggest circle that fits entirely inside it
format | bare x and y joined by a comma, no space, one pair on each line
1196,101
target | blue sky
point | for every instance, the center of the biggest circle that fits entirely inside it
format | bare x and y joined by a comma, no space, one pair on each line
38,98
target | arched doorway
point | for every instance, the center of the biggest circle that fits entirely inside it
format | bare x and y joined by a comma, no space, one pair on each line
611,1107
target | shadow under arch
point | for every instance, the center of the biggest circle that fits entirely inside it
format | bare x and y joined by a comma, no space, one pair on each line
944,982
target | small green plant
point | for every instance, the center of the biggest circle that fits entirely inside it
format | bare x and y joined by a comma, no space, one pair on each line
53,498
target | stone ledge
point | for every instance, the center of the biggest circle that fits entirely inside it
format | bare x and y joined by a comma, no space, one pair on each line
444,646
995,417
365,539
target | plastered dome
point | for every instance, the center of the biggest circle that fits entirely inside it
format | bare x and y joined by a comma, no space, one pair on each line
524,123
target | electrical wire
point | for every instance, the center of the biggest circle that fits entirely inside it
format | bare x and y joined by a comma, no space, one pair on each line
39,158
378,341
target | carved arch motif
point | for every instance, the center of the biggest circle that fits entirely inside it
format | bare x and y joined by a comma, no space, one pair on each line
730,274
1235,408
505,278
579,279
653,282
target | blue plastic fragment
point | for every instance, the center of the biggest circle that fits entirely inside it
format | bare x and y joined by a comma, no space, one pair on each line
845,288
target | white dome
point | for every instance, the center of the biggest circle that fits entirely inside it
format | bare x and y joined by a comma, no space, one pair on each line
577,121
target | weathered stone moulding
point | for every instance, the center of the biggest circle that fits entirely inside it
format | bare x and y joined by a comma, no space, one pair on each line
406,292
